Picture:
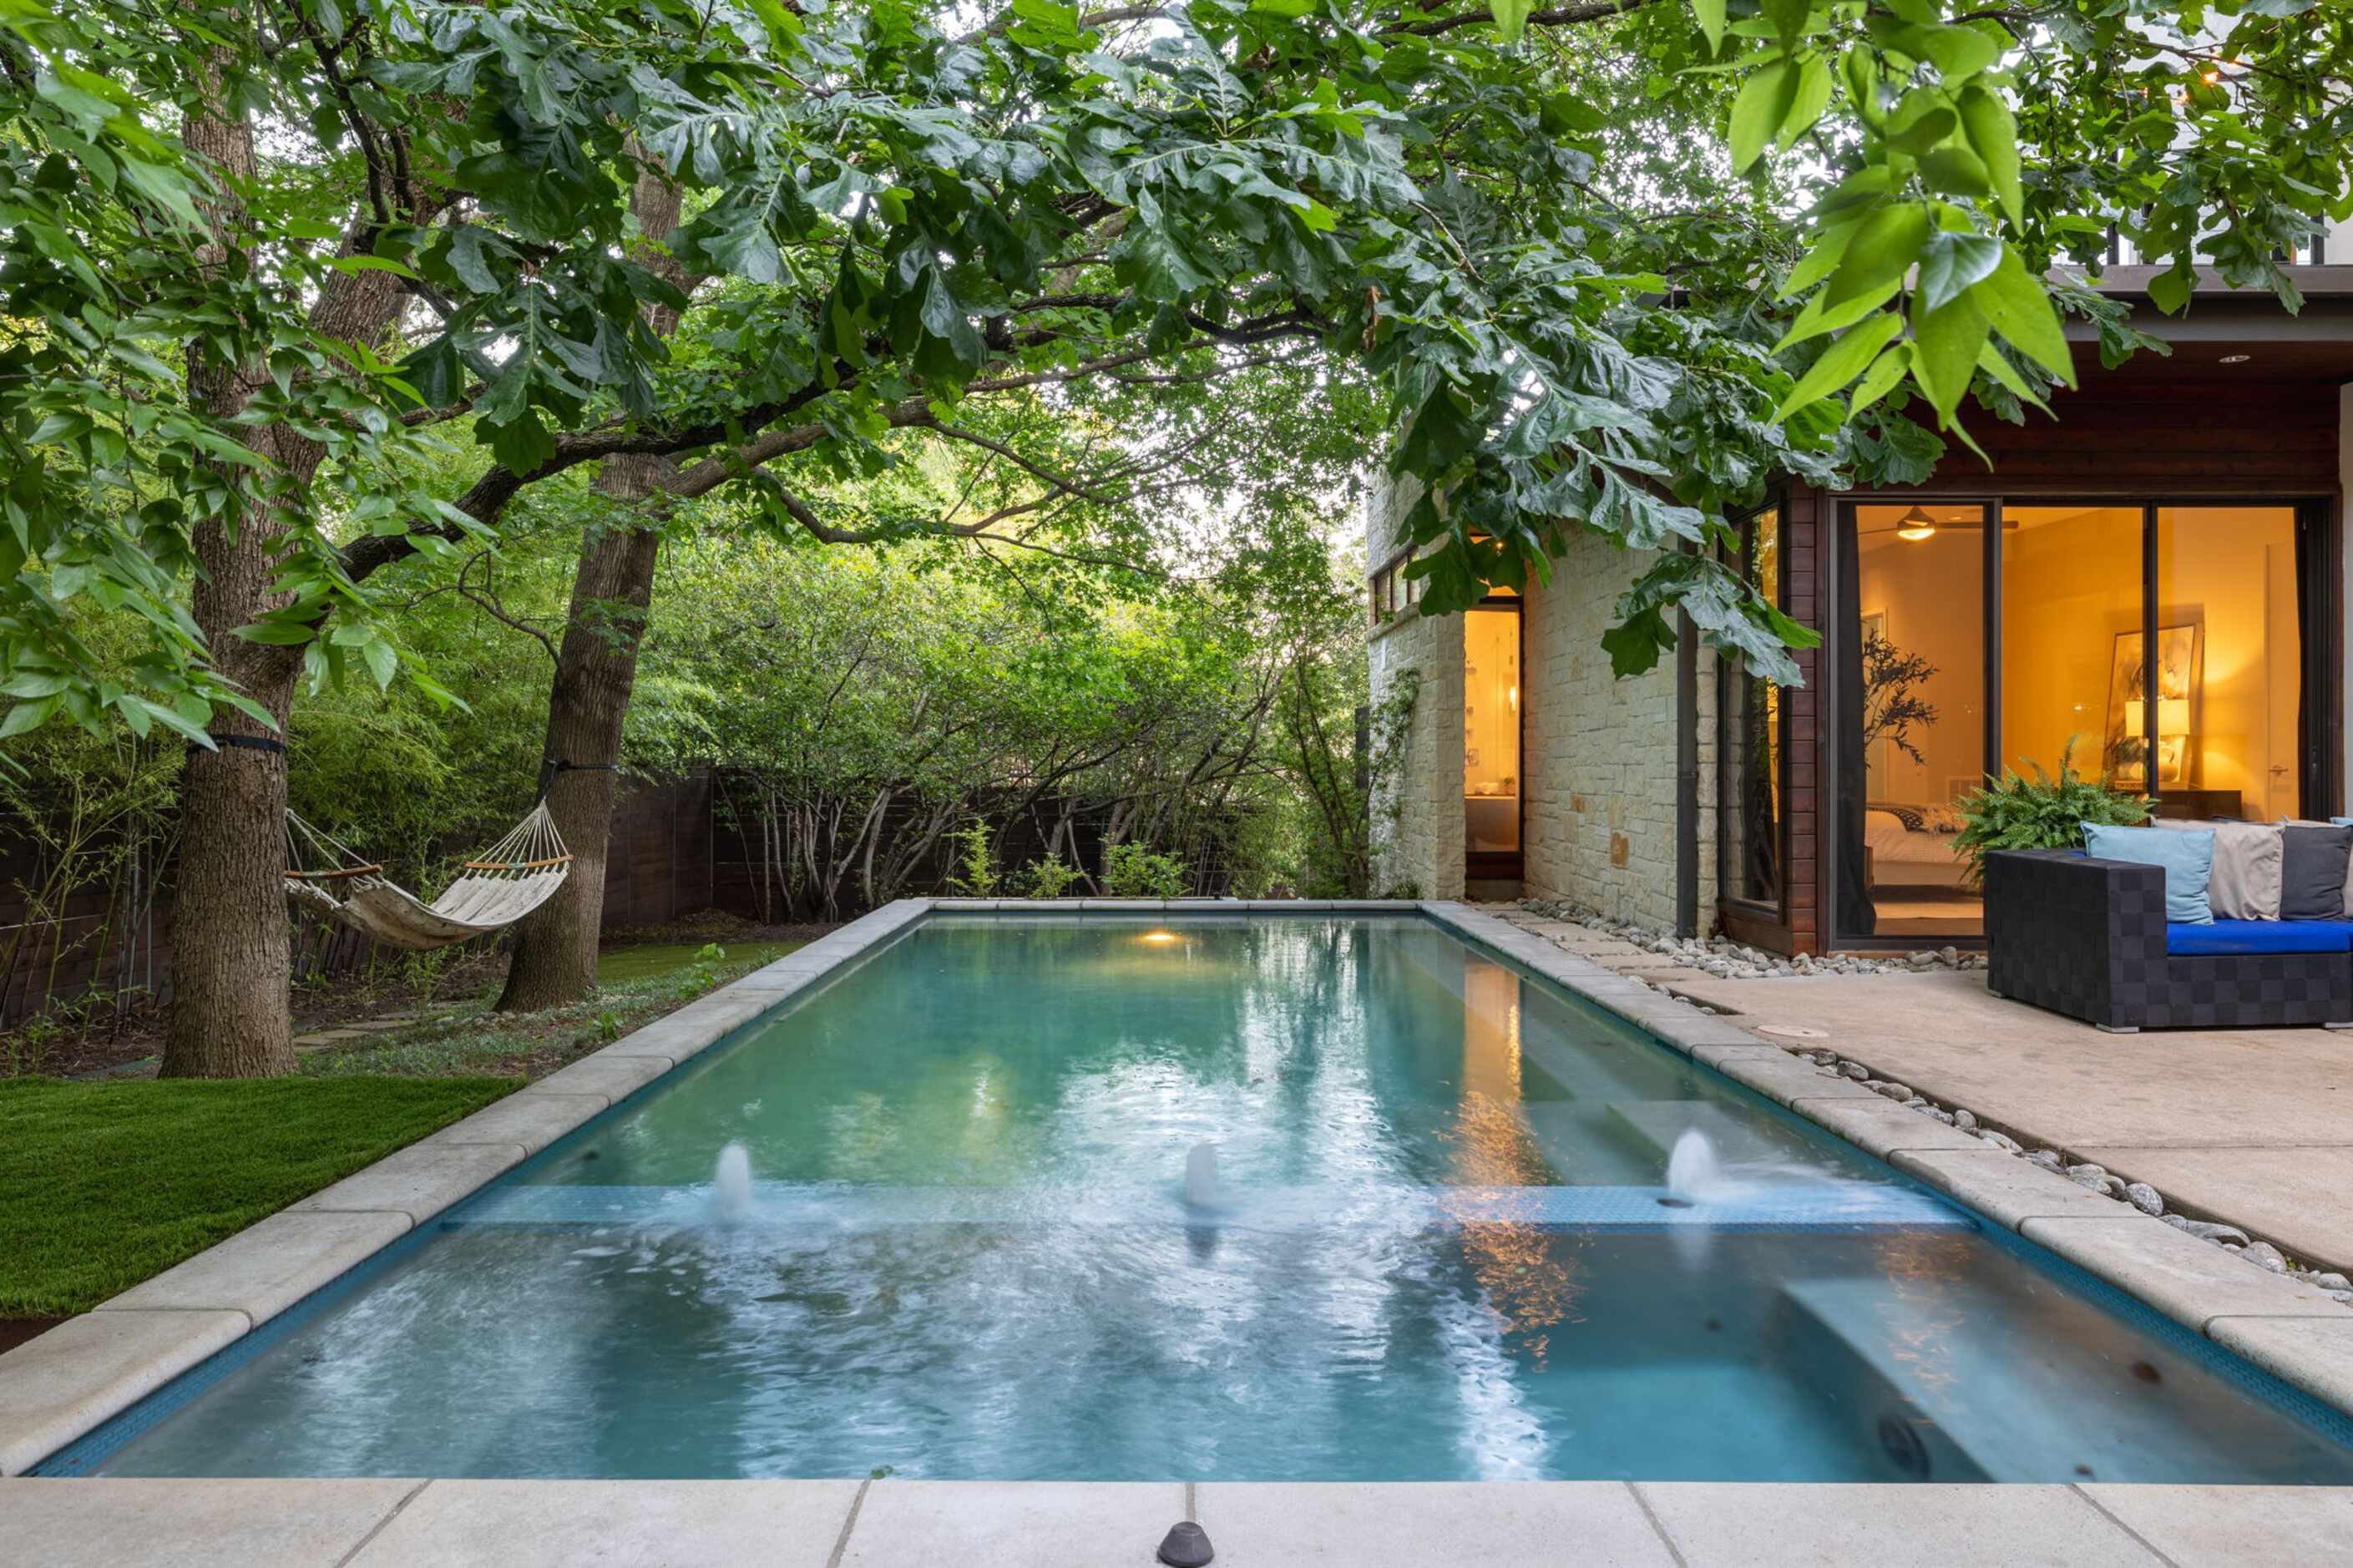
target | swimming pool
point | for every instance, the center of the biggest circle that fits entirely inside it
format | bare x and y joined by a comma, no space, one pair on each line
1431,1238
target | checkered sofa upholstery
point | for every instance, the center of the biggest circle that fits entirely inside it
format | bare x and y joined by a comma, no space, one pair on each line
2086,938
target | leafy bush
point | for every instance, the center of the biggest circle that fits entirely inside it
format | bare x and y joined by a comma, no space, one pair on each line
2041,813
977,857
1049,877
1129,871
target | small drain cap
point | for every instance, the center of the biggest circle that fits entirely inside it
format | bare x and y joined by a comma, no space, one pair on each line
1187,1545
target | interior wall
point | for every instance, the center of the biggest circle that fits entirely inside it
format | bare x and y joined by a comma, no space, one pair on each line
2070,583
1931,593
2231,571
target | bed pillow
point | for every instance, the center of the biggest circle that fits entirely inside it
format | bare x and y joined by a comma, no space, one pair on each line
1909,816
2187,857
2313,871
2246,881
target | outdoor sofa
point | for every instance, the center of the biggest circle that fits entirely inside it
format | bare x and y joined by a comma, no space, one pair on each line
2088,938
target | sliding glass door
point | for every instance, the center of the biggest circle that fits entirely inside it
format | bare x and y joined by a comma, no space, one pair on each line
2167,647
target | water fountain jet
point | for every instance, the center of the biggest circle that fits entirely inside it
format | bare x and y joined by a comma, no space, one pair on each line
1201,1189
731,1185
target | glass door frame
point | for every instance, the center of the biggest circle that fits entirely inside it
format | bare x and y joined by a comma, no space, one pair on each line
2321,658
1744,918
1495,865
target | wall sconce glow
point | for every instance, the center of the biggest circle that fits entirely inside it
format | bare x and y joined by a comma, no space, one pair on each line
1915,525
1160,936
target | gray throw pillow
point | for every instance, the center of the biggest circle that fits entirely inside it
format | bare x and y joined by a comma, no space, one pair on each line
2246,881
2312,864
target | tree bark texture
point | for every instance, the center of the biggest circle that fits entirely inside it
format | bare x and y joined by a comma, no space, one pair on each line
231,949
595,670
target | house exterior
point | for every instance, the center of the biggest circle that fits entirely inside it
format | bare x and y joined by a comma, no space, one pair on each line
2192,504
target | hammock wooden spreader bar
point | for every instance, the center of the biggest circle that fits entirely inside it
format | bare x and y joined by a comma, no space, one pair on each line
498,888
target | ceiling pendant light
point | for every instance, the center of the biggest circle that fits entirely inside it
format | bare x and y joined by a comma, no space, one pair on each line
1915,525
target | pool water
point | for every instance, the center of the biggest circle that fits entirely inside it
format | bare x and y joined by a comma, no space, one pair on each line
1439,1244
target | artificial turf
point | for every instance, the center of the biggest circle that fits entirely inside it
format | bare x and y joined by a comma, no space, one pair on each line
104,1184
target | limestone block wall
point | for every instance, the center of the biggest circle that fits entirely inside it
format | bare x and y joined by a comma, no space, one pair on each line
1600,813
1417,820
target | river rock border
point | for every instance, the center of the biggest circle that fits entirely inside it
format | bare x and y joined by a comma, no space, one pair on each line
2265,1255
1724,959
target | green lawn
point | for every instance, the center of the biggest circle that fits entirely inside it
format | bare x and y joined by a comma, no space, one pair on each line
105,1182
648,959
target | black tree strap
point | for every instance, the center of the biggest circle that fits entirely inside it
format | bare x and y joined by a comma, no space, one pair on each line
250,742
555,765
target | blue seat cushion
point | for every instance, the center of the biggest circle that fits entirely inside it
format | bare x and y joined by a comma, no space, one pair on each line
2217,937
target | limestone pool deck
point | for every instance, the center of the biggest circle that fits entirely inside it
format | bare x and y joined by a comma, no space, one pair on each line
64,1384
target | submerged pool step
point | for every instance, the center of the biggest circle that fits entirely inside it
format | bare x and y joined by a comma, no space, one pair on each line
1802,1205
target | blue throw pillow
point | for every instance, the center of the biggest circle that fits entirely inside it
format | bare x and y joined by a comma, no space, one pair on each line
2186,855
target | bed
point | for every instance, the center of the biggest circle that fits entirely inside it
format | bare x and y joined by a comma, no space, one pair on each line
1912,847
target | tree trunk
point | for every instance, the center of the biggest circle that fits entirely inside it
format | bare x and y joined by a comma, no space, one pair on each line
230,958
555,946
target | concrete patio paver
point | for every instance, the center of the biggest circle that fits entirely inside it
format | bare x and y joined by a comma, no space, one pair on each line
1596,1524
2232,1527
192,1523
566,1524
1925,1526
1036,1524
2300,1197
60,1383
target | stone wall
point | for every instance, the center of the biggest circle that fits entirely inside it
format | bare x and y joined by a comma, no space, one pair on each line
1598,763
1418,819
1600,766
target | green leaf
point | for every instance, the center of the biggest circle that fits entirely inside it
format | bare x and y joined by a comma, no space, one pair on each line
1955,171
28,716
1992,131
2170,289
1946,343
1880,380
1841,362
1764,102
2021,309
278,634
1711,21
34,683
1990,360
1511,17
1955,262
383,660
1812,97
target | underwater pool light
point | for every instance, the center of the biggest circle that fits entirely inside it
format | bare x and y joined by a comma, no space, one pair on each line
1160,936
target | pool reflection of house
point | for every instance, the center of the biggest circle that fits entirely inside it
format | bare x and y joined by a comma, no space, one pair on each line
1982,620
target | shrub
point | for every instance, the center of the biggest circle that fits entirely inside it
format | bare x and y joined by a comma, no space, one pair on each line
1129,871
977,857
1049,877
2041,813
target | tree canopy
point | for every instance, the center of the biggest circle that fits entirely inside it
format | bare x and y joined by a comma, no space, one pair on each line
1611,264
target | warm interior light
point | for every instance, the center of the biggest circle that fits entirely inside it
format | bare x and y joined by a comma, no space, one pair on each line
1915,525
2172,716
1516,699
1160,936
2235,359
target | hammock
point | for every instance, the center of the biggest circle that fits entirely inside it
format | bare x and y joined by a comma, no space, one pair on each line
493,891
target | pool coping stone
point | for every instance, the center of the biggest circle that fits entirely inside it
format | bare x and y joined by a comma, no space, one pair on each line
270,1266
406,1522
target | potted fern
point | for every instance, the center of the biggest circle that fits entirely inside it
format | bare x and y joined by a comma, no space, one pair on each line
2041,813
